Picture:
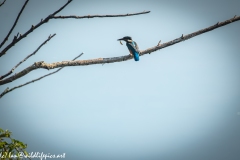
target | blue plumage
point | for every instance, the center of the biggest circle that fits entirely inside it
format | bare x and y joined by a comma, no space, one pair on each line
133,50
132,47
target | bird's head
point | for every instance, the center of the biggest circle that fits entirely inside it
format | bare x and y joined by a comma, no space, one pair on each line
126,39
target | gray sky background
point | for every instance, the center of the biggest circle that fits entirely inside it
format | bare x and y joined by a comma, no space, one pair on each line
179,103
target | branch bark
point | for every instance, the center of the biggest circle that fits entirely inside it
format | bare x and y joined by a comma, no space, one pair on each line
44,65
7,90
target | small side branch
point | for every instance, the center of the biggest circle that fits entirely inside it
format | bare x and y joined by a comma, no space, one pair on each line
7,90
2,3
48,66
11,71
19,14
99,16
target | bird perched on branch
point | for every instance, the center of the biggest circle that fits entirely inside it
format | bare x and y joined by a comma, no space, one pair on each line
132,47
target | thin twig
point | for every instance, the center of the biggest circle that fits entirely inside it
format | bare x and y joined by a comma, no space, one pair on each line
99,16
19,14
2,3
17,39
48,66
7,90
11,71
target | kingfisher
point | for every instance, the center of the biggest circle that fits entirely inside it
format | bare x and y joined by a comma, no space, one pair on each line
132,47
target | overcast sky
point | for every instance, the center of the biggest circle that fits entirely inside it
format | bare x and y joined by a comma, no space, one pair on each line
179,103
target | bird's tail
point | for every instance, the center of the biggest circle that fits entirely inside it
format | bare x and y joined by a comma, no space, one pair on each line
136,56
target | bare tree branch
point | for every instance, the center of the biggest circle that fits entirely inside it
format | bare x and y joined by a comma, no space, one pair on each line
99,16
7,90
2,3
19,14
44,65
17,39
188,36
11,71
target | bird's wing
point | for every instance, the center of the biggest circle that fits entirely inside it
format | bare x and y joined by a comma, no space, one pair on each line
136,46
133,46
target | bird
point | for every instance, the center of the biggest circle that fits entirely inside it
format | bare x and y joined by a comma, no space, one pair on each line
132,47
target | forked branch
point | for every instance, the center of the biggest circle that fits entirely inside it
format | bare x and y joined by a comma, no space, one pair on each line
17,38
7,90
48,66
11,71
